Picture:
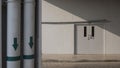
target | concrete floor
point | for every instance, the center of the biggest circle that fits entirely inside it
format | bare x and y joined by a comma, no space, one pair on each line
80,57
81,65
81,61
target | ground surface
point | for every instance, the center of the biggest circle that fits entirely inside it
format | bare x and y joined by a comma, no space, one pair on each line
81,61
82,65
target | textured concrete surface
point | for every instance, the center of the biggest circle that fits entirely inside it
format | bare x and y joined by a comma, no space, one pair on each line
82,65
81,61
80,57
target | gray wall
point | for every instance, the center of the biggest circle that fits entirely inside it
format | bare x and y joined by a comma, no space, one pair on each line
80,10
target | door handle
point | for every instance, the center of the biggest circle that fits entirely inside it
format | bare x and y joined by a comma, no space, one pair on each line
92,32
85,31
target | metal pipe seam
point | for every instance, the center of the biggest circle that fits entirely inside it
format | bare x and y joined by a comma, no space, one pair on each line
16,58
28,56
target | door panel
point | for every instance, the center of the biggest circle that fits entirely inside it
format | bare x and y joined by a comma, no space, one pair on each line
93,43
82,41
97,42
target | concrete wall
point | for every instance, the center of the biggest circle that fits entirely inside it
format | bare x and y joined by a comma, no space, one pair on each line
81,10
52,13
58,39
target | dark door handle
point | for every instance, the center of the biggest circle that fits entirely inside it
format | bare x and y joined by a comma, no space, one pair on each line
93,31
85,31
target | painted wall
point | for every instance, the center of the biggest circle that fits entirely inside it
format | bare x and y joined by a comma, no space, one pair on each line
82,10
57,39
52,13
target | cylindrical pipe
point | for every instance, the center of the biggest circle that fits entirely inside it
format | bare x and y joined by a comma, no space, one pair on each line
13,33
0,35
29,32
38,34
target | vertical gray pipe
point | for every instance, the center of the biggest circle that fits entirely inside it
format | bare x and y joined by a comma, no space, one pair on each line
0,35
29,31
13,33
39,35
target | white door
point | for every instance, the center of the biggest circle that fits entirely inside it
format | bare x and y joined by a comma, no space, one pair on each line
90,39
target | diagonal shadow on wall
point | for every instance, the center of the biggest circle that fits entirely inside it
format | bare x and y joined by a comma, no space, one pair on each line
93,10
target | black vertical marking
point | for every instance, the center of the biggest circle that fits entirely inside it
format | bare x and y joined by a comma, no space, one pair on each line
85,31
93,31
